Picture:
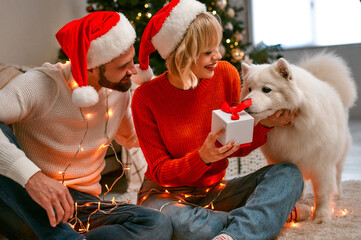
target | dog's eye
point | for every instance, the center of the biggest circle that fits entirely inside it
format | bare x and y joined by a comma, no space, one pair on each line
266,89
249,89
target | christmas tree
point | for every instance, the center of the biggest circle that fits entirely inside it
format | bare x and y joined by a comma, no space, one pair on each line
233,48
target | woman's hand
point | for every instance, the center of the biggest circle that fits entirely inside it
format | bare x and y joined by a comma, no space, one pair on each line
209,152
281,118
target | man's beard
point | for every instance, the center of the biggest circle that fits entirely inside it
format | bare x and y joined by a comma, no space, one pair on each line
119,86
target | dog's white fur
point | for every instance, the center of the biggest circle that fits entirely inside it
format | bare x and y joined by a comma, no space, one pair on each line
318,139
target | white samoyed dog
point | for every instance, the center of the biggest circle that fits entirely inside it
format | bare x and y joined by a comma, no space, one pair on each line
318,139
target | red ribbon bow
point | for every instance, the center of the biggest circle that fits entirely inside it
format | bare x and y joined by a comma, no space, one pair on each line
235,110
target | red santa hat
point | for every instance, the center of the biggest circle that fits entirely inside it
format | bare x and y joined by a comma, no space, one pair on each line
91,41
164,32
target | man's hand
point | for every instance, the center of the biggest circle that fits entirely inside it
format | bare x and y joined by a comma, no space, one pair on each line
281,118
209,152
51,195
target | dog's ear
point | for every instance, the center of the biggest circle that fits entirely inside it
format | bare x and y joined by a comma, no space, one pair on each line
245,68
283,68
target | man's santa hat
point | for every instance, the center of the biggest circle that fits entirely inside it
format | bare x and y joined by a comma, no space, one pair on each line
91,41
164,32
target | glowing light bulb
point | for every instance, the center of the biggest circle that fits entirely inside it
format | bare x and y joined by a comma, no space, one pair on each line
293,224
110,112
74,84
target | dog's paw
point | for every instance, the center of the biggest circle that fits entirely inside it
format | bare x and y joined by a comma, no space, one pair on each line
322,216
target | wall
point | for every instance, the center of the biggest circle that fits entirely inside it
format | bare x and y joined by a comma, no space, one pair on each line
351,53
28,28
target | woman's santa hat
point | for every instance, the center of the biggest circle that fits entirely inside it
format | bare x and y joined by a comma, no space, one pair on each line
91,41
164,32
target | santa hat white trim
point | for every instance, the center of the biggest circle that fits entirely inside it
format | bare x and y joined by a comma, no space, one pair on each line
142,76
110,45
175,26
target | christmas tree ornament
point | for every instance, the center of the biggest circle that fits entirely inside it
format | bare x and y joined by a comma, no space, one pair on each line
237,54
83,41
230,12
238,36
221,4
90,8
229,26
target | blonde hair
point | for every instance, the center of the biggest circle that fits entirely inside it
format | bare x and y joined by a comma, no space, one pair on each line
203,34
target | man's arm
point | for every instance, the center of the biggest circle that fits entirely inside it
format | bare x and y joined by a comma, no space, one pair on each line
51,195
126,135
20,99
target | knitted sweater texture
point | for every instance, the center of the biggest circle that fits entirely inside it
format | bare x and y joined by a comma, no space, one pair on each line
172,125
50,128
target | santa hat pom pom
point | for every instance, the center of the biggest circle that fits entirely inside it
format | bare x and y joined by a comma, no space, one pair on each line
85,96
142,76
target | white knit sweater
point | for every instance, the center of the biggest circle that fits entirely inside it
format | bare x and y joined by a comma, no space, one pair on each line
49,128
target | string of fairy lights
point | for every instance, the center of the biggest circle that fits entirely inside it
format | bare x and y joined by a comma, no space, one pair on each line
178,197
82,227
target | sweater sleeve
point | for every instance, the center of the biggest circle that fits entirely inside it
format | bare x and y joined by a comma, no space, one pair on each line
259,138
26,97
165,169
13,162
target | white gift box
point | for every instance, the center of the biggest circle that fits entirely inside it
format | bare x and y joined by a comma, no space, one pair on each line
241,130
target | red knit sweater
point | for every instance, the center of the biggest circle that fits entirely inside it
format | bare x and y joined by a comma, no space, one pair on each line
172,125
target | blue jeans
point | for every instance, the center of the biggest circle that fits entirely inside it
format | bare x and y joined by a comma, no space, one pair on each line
23,218
255,206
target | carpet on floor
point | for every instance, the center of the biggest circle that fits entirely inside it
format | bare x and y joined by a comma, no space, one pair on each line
345,222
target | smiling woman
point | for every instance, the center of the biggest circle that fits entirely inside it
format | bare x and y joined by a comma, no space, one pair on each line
172,114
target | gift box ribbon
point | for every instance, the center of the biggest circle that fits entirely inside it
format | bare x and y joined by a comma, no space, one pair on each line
235,110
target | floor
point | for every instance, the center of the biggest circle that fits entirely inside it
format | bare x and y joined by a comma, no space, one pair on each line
352,167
